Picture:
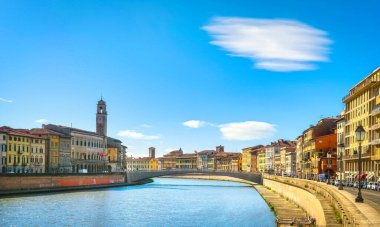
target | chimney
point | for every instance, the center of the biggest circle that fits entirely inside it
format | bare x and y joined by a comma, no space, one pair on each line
219,149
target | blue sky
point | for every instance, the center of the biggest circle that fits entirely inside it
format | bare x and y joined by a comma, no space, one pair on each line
242,72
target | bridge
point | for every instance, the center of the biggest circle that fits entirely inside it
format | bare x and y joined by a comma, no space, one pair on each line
136,176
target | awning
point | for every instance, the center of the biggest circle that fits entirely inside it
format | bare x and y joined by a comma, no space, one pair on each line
361,176
369,176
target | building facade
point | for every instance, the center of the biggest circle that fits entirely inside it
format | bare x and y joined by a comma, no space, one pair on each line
309,165
3,151
88,149
340,125
273,149
362,107
261,160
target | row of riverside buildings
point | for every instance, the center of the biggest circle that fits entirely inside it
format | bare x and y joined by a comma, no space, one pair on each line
61,149
327,149
218,160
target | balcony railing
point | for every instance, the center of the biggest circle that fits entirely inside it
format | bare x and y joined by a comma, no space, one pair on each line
356,156
375,141
376,110
375,126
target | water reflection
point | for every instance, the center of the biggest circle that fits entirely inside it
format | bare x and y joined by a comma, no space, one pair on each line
164,202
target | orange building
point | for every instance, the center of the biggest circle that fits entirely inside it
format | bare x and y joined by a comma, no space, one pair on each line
325,148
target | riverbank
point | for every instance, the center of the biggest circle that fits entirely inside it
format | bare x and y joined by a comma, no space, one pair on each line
287,212
26,184
22,192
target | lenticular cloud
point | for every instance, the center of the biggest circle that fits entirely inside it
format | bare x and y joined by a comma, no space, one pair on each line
275,45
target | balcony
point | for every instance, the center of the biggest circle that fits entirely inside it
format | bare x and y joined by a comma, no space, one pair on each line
375,126
375,157
356,156
364,84
376,110
375,142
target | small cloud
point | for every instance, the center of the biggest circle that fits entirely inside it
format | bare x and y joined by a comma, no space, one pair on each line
194,124
272,44
146,126
41,121
6,100
248,130
136,135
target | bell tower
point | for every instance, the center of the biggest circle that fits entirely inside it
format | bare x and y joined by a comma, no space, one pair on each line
101,118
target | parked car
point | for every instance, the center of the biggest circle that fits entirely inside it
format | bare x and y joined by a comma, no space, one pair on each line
355,184
374,185
336,183
364,185
377,186
369,185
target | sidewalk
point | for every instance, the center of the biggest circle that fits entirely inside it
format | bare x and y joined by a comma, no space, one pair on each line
365,209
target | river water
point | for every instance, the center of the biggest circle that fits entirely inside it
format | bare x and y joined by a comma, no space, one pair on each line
165,202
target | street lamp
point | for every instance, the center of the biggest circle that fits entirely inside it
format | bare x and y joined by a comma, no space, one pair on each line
341,146
359,132
328,166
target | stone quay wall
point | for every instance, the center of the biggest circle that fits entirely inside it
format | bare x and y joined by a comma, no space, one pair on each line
9,183
301,197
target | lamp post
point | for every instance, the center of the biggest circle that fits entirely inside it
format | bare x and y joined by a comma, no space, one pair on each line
328,166
341,146
359,132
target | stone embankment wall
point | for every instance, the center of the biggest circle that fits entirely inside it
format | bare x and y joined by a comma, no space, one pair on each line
301,197
349,213
29,182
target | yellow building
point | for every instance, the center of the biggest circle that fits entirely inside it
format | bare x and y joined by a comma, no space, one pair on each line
138,164
18,152
308,150
246,159
261,160
186,161
52,153
112,158
37,154
153,164
363,108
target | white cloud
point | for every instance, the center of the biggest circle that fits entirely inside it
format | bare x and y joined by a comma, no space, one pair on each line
145,126
194,123
273,44
6,100
248,130
41,121
136,135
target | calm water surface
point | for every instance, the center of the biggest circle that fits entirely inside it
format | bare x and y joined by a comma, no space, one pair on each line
165,202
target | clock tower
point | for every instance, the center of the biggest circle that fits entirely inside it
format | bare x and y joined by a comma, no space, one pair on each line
101,118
